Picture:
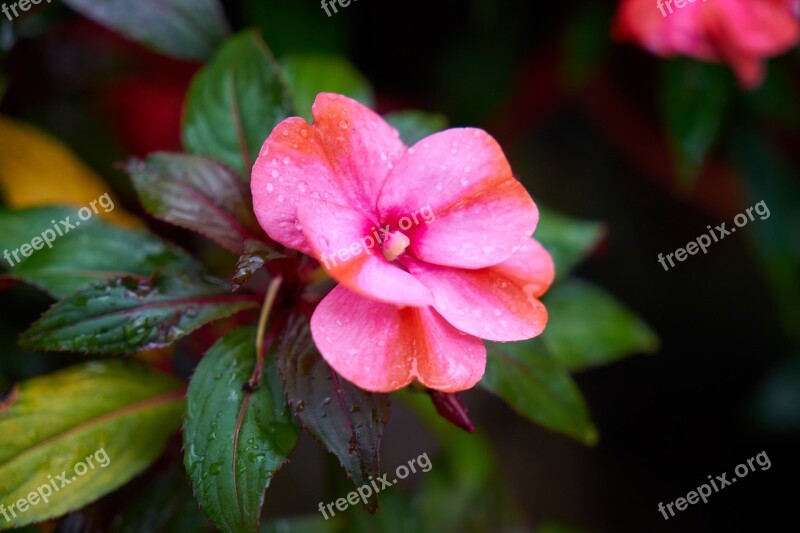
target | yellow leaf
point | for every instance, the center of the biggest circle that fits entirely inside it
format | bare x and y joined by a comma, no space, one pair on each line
38,169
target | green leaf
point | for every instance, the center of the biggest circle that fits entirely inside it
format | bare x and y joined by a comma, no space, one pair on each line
588,327
235,440
91,252
346,420
693,99
416,125
127,315
777,401
586,43
235,102
119,413
254,256
197,193
309,75
189,29
176,512
538,387
568,240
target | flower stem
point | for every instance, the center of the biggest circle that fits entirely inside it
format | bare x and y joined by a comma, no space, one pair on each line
269,301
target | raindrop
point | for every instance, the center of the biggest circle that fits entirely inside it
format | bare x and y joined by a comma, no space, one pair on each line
270,187
343,124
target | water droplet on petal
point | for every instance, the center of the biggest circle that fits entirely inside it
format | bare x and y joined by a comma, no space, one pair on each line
343,124
270,187
304,133
302,186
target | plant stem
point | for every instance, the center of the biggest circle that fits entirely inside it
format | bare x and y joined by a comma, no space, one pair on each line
269,300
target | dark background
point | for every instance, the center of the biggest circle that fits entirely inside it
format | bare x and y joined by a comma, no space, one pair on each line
592,149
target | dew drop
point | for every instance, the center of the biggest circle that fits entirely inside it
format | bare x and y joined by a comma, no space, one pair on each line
281,198
304,133
302,186
285,133
343,124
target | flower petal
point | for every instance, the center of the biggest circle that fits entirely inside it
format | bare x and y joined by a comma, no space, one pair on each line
381,348
497,303
343,241
343,158
482,213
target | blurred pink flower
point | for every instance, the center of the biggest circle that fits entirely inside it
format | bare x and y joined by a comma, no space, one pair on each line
741,33
431,244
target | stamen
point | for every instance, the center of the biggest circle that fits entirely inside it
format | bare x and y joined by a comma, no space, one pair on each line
394,246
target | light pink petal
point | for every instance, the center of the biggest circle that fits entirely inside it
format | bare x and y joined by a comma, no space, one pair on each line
382,348
532,267
481,213
496,303
343,241
343,158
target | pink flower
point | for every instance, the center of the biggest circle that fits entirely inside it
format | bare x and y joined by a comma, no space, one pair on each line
742,33
431,244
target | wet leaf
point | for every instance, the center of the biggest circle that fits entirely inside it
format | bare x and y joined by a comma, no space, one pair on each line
346,420
90,251
197,193
127,315
254,256
235,102
116,413
234,439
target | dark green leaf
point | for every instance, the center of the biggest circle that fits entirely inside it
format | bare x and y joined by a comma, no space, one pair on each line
348,421
235,102
568,240
127,315
586,42
693,100
189,29
309,75
88,253
254,256
235,440
416,125
197,193
773,184
176,512
588,327
535,385
777,405
119,413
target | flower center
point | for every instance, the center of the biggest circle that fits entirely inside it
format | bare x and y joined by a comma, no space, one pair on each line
394,246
